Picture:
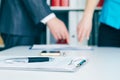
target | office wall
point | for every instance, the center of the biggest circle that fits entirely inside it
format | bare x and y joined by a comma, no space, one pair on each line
1,41
94,33
0,37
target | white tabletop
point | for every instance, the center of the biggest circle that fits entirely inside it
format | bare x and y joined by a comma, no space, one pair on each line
103,64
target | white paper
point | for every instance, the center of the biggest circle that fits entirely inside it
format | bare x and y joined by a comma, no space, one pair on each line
59,64
60,47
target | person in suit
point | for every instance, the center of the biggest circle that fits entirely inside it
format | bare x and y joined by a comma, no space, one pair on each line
109,30
23,22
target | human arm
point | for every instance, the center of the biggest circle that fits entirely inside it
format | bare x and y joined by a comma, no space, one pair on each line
39,10
58,29
85,25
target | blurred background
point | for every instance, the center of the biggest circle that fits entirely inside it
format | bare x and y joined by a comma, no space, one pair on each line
71,11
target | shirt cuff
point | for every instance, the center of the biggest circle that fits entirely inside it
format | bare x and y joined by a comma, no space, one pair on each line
46,19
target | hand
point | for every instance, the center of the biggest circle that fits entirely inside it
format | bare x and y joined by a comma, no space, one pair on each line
58,29
84,28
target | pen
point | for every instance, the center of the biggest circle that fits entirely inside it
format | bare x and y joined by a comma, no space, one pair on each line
50,53
82,62
28,60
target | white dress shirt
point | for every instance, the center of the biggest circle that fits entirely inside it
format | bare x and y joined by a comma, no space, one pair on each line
49,17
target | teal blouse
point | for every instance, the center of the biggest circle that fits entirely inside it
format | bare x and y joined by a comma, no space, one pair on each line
110,14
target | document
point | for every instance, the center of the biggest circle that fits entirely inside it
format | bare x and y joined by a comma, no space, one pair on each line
58,47
61,64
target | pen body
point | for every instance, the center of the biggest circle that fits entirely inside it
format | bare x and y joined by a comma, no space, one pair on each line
28,60
38,59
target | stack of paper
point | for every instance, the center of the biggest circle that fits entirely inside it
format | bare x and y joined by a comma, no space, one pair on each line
66,64
60,47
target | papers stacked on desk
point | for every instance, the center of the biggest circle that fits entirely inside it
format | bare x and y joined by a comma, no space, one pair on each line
58,47
61,64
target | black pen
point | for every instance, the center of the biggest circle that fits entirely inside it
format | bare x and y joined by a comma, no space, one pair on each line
28,59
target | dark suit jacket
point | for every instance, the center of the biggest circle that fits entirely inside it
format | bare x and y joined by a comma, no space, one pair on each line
22,17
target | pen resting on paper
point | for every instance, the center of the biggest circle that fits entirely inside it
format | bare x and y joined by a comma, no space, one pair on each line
28,60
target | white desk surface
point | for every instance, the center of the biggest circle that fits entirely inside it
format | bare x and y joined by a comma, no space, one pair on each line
103,64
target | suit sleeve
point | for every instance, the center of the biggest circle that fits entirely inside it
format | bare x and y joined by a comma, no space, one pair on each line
37,9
